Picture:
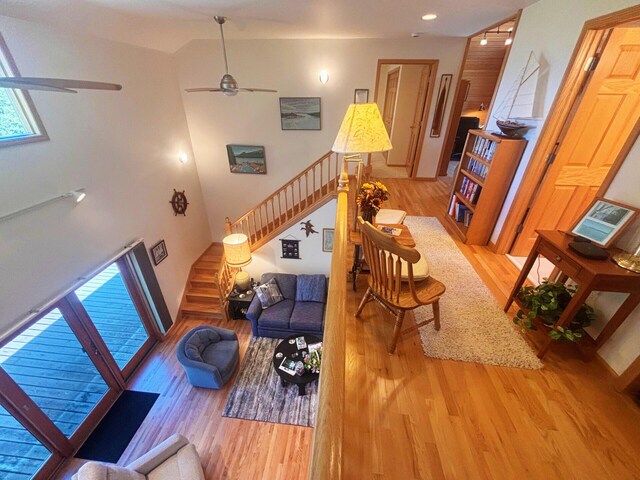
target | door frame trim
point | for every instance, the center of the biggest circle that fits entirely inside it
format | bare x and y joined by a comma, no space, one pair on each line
433,63
561,112
452,126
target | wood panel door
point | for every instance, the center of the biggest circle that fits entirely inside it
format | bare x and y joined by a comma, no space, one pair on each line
391,93
418,118
602,124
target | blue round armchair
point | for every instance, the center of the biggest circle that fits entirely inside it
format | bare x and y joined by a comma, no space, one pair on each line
209,356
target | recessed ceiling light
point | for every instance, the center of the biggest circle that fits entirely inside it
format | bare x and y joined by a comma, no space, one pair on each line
429,16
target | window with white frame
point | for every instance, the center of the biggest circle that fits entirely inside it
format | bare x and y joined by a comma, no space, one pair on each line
19,121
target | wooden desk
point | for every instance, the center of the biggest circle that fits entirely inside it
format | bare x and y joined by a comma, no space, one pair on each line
589,275
405,238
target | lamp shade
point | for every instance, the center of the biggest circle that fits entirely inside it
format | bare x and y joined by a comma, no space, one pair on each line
362,131
236,250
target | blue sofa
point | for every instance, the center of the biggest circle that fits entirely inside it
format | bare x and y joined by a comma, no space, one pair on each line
209,355
301,311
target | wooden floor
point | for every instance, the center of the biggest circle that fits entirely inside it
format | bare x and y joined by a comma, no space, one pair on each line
412,417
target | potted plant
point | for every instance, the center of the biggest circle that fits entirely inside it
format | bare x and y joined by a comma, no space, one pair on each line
547,301
371,196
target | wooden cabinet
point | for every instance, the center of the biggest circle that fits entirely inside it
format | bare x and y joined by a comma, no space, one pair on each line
481,183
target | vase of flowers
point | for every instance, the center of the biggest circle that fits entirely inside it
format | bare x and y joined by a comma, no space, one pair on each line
371,196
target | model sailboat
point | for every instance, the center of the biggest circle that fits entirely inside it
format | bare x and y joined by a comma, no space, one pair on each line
519,102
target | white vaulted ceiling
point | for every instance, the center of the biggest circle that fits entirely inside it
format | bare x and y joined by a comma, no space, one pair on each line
169,24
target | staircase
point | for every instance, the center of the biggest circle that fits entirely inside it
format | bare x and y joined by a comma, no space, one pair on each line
202,295
211,279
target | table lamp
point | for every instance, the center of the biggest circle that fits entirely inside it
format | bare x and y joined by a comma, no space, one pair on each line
362,131
237,255
629,261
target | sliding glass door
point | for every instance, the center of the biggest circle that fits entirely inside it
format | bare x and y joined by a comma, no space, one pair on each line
61,373
112,304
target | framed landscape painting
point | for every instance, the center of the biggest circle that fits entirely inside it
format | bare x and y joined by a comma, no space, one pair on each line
246,159
300,113
604,221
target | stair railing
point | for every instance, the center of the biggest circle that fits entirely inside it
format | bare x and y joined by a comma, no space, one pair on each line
313,185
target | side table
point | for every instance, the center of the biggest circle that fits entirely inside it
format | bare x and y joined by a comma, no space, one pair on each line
590,275
238,306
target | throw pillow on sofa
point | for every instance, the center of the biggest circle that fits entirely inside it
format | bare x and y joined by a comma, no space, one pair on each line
311,288
269,293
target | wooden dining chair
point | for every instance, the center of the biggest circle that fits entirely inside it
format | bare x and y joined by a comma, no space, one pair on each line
392,283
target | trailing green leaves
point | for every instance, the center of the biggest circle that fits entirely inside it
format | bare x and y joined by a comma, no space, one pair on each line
547,301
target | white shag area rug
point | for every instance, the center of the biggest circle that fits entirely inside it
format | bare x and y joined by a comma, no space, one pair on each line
474,328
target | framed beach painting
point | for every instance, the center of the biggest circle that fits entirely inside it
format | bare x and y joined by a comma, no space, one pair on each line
300,113
246,159
603,221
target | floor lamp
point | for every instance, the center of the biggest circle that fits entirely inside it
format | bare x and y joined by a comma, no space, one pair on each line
362,131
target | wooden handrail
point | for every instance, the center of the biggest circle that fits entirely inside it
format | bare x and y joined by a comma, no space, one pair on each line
311,185
326,454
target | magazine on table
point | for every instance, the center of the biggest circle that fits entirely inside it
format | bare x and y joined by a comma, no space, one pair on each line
315,346
288,366
301,343
390,230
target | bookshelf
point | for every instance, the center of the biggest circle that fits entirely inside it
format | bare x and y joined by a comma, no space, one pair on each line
481,183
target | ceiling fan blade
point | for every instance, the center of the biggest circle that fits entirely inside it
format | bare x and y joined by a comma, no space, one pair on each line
257,90
9,83
205,89
55,84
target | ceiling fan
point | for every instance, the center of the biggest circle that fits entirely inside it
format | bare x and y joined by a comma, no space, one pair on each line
54,84
228,84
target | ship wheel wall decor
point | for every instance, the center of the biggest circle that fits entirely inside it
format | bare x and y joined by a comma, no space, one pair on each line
179,202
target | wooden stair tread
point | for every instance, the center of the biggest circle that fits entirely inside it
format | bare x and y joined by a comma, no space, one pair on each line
192,308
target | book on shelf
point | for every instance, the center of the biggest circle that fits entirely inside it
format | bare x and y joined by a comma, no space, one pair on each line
470,190
477,168
468,215
484,148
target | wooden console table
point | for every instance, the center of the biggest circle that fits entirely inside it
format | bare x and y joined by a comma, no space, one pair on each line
405,238
589,275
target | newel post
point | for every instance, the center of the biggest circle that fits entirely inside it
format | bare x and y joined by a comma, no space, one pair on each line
227,226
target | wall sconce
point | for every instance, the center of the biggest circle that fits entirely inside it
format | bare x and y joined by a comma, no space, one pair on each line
183,157
324,77
79,195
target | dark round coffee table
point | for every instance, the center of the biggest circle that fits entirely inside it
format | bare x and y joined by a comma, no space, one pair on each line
289,350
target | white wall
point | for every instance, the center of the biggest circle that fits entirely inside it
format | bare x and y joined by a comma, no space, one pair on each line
268,258
551,29
121,146
406,104
624,346
291,67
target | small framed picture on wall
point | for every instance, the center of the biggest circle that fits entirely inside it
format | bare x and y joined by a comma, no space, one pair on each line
361,95
159,252
327,239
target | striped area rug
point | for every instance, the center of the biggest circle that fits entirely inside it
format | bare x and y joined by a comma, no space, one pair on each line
258,394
